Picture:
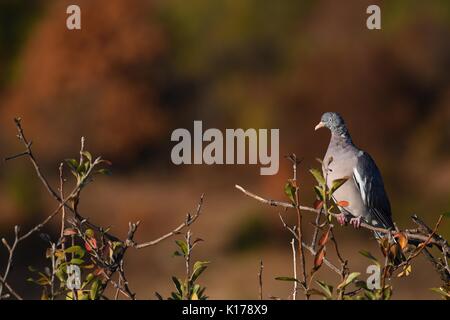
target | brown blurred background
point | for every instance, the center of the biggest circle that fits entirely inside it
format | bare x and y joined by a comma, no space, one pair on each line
140,69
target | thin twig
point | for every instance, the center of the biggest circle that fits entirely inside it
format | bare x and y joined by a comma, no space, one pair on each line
409,233
295,162
260,280
175,231
313,252
125,283
79,222
187,258
316,229
294,262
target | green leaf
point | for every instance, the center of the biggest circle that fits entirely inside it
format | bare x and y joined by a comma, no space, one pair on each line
88,279
183,246
286,279
87,155
177,254
349,279
313,291
76,250
61,275
361,284
319,193
326,288
446,214
199,267
72,163
289,191
69,295
387,293
76,261
441,291
318,176
370,295
337,184
82,296
32,269
368,255
175,296
89,233
117,244
201,292
94,290
196,289
105,172
178,285
43,281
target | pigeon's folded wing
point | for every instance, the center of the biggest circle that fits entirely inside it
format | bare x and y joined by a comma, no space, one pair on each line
368,180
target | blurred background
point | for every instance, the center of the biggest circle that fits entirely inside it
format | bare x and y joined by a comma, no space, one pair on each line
140,69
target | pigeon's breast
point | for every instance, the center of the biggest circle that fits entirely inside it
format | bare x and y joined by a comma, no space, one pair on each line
340,167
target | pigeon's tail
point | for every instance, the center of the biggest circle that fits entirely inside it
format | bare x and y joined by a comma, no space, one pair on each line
378,235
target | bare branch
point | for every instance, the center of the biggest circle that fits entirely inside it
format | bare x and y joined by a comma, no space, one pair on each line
190,219
313,252
411,233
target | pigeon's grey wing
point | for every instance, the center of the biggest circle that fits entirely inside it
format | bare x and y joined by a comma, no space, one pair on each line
368,180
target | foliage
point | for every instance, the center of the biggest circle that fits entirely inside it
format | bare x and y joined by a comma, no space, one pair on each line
394,245
87,258
188,289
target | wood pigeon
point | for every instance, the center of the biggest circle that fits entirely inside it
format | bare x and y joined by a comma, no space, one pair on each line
364,190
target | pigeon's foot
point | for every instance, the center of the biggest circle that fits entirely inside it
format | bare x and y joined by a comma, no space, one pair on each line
341,219
356,222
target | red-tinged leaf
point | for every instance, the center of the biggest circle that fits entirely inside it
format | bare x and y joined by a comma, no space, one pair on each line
90,244
343,203
318,259
70,232
99,271
318,204
325,237
402,240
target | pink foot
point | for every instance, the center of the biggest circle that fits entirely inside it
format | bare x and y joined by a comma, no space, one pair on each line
356,222
341,218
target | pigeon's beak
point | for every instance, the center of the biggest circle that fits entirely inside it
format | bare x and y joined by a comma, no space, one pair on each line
320,125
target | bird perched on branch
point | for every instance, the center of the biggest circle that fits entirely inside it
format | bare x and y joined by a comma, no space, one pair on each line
364,189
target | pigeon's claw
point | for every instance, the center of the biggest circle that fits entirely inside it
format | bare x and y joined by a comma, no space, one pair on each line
356,222
341,219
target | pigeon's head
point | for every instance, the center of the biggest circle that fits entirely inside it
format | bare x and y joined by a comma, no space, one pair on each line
332,121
